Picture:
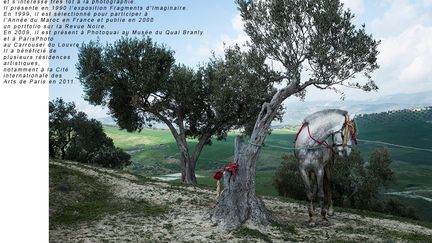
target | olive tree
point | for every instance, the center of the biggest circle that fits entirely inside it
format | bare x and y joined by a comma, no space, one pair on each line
140,83
317,45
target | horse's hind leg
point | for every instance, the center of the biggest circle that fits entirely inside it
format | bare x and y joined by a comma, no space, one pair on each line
328,190
309,194
314,188
320,179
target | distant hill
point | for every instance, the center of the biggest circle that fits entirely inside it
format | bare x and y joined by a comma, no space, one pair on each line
296,110
423,114
410,127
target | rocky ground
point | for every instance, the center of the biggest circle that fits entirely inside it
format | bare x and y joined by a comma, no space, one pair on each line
185,218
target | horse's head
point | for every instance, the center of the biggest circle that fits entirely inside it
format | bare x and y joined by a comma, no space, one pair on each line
344,138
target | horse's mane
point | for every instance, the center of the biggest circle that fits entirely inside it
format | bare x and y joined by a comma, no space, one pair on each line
319,114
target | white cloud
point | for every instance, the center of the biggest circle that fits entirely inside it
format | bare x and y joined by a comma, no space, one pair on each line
399,49
356,6
237,23
401,15
197,55
406,61
426,3
417,70
240,37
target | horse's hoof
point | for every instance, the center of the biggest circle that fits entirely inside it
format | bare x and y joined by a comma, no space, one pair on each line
311,223
325,222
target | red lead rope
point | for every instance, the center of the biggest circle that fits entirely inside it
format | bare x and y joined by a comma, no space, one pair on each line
218,174
232,167
301,128
310,135
316,141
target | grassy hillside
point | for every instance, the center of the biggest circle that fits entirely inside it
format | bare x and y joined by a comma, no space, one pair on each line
94,204
155,153
76,197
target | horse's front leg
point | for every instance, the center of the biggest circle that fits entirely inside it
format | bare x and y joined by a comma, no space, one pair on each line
309,194
320,179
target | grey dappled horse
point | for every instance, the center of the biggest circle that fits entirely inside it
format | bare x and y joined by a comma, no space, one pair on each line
323,135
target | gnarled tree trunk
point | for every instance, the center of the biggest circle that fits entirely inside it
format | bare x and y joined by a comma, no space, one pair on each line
188,161
238,201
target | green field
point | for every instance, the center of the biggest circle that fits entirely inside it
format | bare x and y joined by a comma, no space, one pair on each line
154,152
155,148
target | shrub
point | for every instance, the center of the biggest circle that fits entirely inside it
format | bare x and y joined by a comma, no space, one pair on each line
73,136
396,207
287,179
110,157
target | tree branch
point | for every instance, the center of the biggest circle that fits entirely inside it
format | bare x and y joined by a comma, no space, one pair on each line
200,145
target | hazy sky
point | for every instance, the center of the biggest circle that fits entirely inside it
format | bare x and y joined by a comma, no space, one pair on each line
404,28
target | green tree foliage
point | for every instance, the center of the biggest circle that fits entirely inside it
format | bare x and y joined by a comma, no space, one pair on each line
75,137
61,116
396,207
350,184
140,83
356,183
379,169
317,36
109,157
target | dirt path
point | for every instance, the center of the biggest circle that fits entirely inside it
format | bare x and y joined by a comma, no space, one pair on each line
187,219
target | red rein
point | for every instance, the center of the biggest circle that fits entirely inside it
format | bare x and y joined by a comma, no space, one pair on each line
353,137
